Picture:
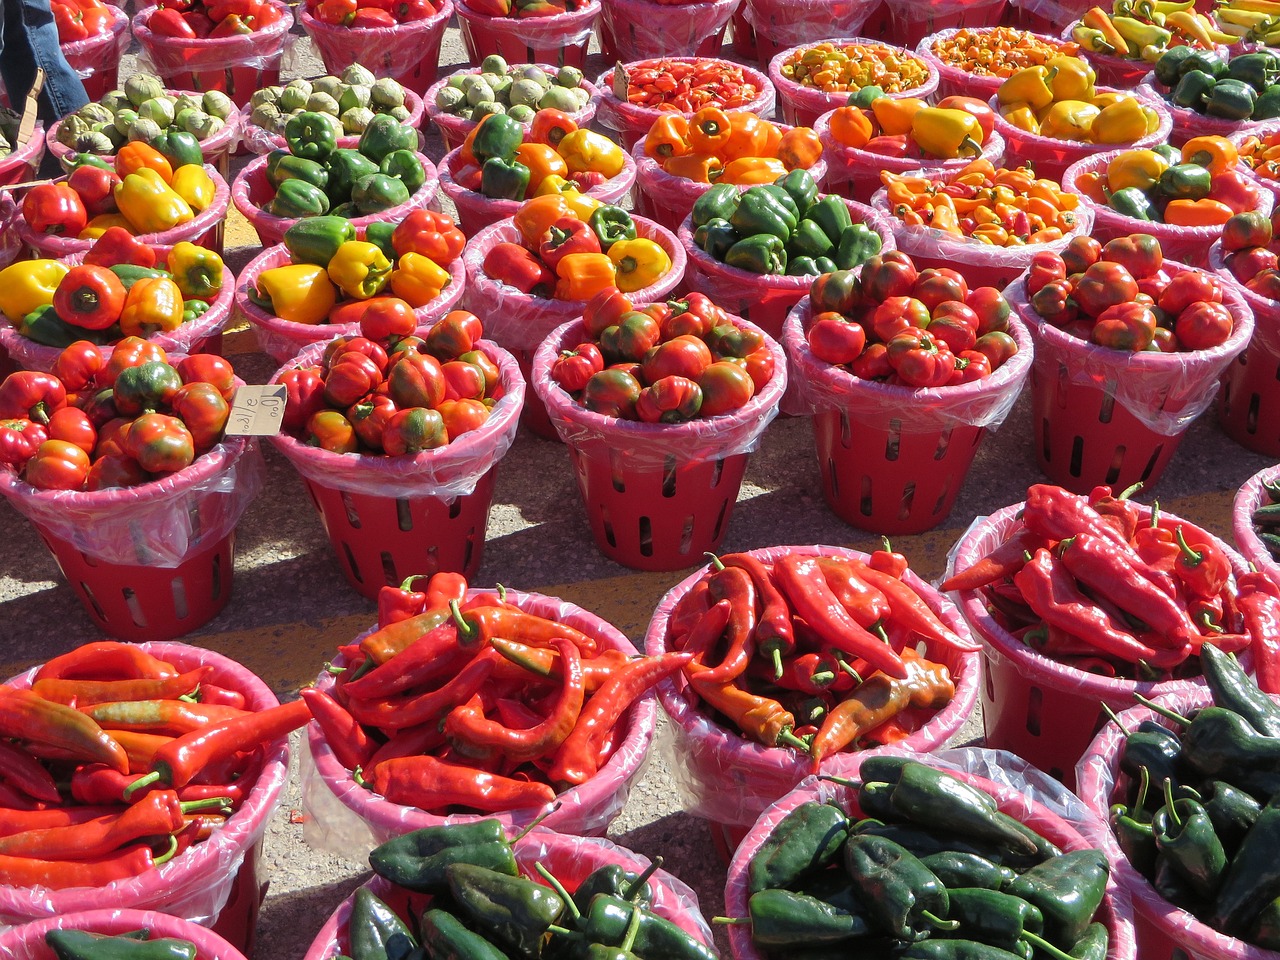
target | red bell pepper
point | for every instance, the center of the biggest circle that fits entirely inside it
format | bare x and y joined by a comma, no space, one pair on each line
872,364
54,208
1203,325
336,12
407,11
387,317
372,17
977,108
31,394
1138,253
1053,302
89,296
117,245
1235,189
1125,326
431,234
96,188
669,400
566,236
836,339
573,368
919,359
550,126
1046,266
512,264
19,440
456,333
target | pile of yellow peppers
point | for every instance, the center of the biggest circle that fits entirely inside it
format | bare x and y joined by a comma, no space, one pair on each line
836,69
998,207
735,146
910,127
998,51
1059,100
1144,29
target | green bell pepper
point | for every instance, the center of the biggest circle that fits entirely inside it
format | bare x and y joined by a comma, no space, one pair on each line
86,160
282,166
858,244
83,945
832,215
378,192
806,841
1193,90
801,188
179,148
1185,181
310,135
903,899
193,310
1259,69
297,198
863,96
1131,202
128,274
405,166
43,325
759,253
717,203
317,239
1169,67
376,933
782,196
1267,106
498,136
810,240
345,210
611,224
384,135
504,179
417,861
785,918
1186,838
379,234
1068,890
517,912
761,212
1231,100
345,167
716,237
803,267
1206,61
450,940
1170,153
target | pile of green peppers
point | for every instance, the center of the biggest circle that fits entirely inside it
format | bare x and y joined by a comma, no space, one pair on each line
781,228
482,908
934,872
134,945
1199,815
1244,87
315,176
1266,520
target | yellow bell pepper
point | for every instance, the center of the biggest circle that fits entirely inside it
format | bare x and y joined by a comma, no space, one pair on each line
638,263
149,204
1122,122
1070,120
576,203
360,269
583,275
153,305
587,150
1070,78
1104,100
196,270
193,185
299,293
947,134
581,205
894,116
1135,168
1029,85
417,279
101,224
1021,116
28,284
752,170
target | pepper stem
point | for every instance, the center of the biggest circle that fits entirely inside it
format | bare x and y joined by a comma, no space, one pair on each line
1044,946
715,561
938,923
777,663
842,781
210,803
558,887
822,678
633,928
636,886
144,781
791,740
847,667
536,820
878,629
330,669
168,854
407,582
1161,711
1111,715
189,698
1192,558
1130,490
464,628
1144,782
1169,804
565,932
1155,514
730,921
358,776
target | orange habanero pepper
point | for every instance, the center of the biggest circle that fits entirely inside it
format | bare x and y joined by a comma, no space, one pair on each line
710,130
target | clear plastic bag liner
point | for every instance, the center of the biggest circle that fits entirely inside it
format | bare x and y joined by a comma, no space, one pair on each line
29,355
1166,391
521,321
1177,242
251,192
262,141
1055,11
617,115
282,339
27,941
1097,774
982,403
567,29
729,779
386,51
789,22
811,100
954,79
632,444
1000,646
1250,497
455,128
156,524
92,55
1188,123
170,55
23,162
1020,790
446,472
348,820
194,230
571,859
10,243
1266,312
476,210
643,29
196,883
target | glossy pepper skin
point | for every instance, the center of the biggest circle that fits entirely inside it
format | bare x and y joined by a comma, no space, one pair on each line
1186,838
1067,889
761,212
719,202
901,896
609,918
316,240
807,840
504,179
787,918
376,931
149,204
611,224
515,911
417,861
359,269
70,944
1251,881
450,940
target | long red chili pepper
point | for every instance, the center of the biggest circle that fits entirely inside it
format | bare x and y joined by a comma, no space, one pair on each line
761,718
429,783
688,610
519,660
434,654
166,717
867,605
409,710
803,583
702,639
1055,642
21,770
347,738
410,742
908,608
1005,560
485,623
516,714
106,660
14,799
97,872
83,693
887,560
734,586
775,635
20,821
96,784
1261,609
27,716
1119,511
808,673
383,644
1056,514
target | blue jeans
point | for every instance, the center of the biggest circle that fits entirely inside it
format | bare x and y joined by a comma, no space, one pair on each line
29,39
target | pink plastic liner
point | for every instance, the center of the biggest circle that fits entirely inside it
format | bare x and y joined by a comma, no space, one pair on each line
10,243
196,883
261,142
1097,774
195,230
1166,391
952,81
454,129
640,29
251,193
570,858
281,339
732,780
1020,791
347,819
1266,312
1249,499
95,55
21,165
446,472
387,51
790,22
563,29
30,355
261,49
520,321
27,941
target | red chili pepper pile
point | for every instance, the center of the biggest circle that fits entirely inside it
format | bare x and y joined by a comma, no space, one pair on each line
685,86
390,391
191,19
1120,296
93,424
370,13
475,704
814,653
1098,584
115,761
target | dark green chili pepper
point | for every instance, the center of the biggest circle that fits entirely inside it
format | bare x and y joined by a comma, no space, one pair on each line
450,940
956,950
1185,836
1253,879
376,932
784,918
515,911
614,881
808,839
1132,828
956,869
83,945
1068,890
1093,945
609,917
417,861
993,917
903,899
1233,690
1232,811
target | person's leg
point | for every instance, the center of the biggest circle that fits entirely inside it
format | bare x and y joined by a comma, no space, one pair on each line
36,31
17,65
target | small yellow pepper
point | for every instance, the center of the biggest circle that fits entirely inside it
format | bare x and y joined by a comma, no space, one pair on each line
418,279
1070,120
587,150
299,293
1135,168
193,185
1122,122
1029,85
894,116
149,204
360,269
29,284
638,263
153,305
101,224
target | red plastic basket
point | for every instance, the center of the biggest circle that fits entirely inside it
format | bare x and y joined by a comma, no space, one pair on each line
1020,793
388,518
1163,931
204,230
639,29
454,128
1249,404
339,806
1250,497
632,121
97,59
520,321
1050,158
1042,710
954,81
801,106
216,883
27,941
282,339
409,52
476,211
21,165
260,141
657,496
1045,16
779,24
908,23
729,779
893,459
744,35
1104,416
251,192
561,39
237,65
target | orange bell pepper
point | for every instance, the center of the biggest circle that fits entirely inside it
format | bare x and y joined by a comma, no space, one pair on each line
1218,154
852,127
747,139
773,137
535,217
698,167
582,275
800,148
134,156
752,170
668,137
895,116
1197,213
710,130
543,161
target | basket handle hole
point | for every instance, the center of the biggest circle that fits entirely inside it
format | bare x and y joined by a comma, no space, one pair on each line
1035,705
832,478
1077,456
215,576
353,515
646,537
351,562
864,502
944,441
1108,408
93,601
178,587
893,445
404,515
908,498
1151,464
616,469
455,508
720,519
846,431
609,535
669,477
1255,403
990,685
134,606
1117,461
389,574
686,535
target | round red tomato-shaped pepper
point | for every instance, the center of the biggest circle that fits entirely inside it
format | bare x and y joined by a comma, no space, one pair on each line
1248,263
672,399
160,443
730,340
74,426
605,309
996,347
58,465
462,381
1081,253
695,315
115,470
991,308
95,187
211,369
492,375
304,396
970,366
1138,253
612,393
201,407
19,440
462,416
1188,287
352,376
726,386
54,208
454,334
573,368
631,338
369,417
362,345
414,430
1053,302
1203,325
920,360
760,367
31,394
935,286
1266,284
955,324
872,363
150,386
887,275
330,430
387,317
129,352
417,380
1154,285
685,356
836,340
90,297
896,314
1105,284
1125,326
77,365
1166,340
1046,266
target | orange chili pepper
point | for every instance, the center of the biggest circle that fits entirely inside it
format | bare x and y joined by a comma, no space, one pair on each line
800,148
944,215
710,130
668,137
1197,213
1093,185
